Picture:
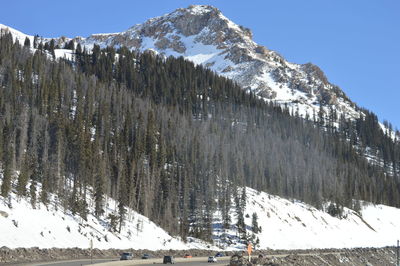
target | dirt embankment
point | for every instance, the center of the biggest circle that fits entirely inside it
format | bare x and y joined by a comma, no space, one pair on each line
348,257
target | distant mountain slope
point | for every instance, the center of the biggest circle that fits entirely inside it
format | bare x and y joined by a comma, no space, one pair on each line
202,34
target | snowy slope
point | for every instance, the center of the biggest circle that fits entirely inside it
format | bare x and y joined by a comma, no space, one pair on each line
285,225
17,35
51,226
20,37
295,225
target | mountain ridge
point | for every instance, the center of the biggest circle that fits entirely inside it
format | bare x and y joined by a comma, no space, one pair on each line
203,35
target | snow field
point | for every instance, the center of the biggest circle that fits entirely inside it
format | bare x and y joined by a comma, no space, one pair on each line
296,225
50,226
285,225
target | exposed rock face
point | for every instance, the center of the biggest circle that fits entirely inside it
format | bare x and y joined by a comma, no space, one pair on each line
205,36
4,214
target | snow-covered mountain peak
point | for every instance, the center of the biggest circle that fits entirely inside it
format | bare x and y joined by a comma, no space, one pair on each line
200,9
191,20
205,23
202,34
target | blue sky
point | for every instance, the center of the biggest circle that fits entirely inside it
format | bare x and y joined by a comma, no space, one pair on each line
355,42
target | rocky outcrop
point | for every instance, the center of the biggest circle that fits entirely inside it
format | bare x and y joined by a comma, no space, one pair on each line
4,214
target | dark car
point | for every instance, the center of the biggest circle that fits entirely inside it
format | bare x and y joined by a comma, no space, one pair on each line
146,256
219,254
168,259
126,256
212,259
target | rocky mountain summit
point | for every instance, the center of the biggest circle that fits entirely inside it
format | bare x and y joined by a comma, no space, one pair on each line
205,36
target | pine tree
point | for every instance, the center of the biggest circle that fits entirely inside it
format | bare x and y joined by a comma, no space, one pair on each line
6,184
123,195
35,41
99,189
240,224
32,191
243,200
23,177
113,219
44,193
27,42
51,48
254,223
321,114
70,45
7,174
151,140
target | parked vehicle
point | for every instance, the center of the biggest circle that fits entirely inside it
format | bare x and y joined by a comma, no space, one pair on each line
219,254
146,256
212,259
187,256
169,259
126,256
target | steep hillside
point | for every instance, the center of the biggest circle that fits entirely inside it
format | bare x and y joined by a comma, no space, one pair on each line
171,140
284,224
27,224
292,224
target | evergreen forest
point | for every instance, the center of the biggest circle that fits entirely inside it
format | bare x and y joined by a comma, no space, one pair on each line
172,140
